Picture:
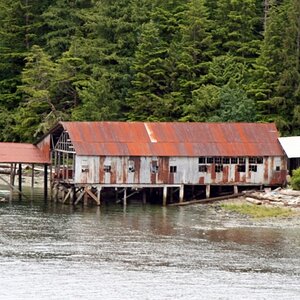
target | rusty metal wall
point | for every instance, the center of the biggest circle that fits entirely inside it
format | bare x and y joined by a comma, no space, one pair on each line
91,169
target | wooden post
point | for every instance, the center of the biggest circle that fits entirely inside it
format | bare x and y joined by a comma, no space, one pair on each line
20,180
85,197
144,196
235,189
45,182
51,181
125,197
99,195
171,195
207,191
181,193
165,195
32,180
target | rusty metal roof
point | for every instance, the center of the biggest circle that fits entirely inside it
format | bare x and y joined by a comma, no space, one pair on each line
173,139
21,153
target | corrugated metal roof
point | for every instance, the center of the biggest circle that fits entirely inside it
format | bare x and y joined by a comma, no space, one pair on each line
21,153
291,146
173,139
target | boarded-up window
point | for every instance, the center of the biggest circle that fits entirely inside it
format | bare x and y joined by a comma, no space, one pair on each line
84,165
131,168
154,167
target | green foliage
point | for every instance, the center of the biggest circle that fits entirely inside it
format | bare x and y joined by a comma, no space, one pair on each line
295,180
258,211
187,60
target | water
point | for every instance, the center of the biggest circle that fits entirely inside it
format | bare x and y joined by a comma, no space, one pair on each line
53,251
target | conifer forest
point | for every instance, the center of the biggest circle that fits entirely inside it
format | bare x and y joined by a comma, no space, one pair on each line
148,60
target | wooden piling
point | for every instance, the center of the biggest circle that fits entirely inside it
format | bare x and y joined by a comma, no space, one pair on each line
20,181
181,193
45,182
165,195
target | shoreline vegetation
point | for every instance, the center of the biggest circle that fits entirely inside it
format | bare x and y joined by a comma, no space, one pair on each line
259,211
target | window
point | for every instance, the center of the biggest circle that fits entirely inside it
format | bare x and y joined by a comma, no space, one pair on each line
252,160
154,167
107,168
218,168
277,168
218,160
131,166
203,168
210,160
202,160
242,160
253,168
241,168
260,160
84,166
173,169
234,160
226,160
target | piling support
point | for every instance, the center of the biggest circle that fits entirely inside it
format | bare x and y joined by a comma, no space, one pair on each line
45,181
235,189
144,196
32,180
165,195
99,195
207,191
181,193
125,197
20,181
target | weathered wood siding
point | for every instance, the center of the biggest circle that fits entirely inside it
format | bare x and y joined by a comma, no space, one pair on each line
142,170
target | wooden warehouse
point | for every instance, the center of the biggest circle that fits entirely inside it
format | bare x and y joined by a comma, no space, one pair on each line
128,158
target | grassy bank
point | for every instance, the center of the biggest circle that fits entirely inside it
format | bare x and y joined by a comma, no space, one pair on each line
258,211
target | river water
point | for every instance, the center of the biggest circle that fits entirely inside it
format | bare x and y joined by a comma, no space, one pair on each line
54,251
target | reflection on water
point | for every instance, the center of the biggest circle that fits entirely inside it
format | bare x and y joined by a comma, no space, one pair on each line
53,251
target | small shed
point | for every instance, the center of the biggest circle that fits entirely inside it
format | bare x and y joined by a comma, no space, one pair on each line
13,155
291,147
167,155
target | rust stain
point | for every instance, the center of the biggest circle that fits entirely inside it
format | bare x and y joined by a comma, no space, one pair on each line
266,169
212,171
113,173
225,174
174,139
201,180
236,174
101,169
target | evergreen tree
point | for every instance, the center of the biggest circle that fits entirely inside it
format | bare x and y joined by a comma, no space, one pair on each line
277,70
38,112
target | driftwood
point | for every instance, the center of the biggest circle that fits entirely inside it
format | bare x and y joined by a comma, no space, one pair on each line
278,197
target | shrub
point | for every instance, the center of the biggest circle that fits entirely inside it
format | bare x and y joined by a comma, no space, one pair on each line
295,180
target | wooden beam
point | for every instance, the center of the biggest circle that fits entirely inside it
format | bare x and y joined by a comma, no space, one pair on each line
79,197
67,196
91,194
12,187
